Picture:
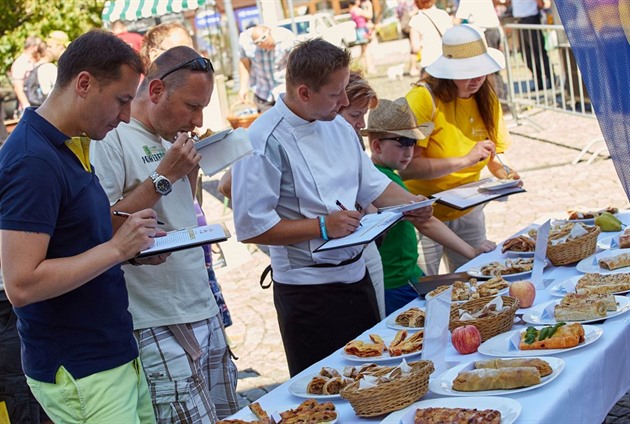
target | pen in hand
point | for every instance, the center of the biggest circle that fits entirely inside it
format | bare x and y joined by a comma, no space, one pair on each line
127,215
343,208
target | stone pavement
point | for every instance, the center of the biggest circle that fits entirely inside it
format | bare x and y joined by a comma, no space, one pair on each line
542,157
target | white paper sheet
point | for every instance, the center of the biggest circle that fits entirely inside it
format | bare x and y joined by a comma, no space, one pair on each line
186,238
224,152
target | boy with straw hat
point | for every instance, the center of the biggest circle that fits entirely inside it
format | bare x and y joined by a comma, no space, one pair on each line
392,131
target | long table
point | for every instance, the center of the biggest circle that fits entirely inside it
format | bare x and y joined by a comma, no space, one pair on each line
594,378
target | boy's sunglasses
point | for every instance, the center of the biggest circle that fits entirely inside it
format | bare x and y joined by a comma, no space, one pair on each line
197,64
405,141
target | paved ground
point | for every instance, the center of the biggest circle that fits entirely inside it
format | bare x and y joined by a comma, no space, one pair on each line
543,158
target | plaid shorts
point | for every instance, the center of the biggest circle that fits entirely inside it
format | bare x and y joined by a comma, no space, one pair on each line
185,388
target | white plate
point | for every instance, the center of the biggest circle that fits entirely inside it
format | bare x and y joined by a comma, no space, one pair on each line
384,356
510,409
537,315
443,384
298,388
500,345
590,264
605,242
499,185
391,323
520,254
562,287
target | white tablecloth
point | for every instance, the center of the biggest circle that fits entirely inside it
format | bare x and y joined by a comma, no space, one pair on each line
594,378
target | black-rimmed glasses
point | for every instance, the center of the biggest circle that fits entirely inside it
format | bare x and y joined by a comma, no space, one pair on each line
201,64
405,141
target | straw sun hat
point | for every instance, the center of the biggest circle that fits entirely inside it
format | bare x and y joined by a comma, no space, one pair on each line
396,117
465,55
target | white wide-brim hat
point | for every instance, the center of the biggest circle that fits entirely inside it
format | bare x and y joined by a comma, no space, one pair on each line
465,55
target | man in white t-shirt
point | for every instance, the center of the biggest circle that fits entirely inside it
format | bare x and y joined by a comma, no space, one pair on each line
22,66
426,30
151,161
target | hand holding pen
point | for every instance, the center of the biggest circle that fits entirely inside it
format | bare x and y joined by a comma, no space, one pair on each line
343,222
136,234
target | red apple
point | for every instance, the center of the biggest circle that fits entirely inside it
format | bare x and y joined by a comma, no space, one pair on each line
466,339
524,291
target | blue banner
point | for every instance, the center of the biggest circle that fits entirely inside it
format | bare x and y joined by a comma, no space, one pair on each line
599,33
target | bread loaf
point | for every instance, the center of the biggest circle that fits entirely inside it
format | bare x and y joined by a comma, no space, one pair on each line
496,379
543,367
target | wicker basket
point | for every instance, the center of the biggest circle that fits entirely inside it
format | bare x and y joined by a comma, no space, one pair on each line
574,250
487,326
391,396
241,115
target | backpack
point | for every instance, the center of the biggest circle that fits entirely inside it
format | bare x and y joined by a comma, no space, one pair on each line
32,88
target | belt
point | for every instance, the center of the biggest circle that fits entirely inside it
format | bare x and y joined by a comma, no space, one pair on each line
268,269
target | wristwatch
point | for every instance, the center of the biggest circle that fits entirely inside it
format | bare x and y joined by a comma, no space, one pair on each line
161,183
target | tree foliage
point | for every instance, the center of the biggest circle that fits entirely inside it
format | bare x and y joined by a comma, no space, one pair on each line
22,18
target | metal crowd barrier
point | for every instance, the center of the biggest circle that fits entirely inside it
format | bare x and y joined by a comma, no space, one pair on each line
542,74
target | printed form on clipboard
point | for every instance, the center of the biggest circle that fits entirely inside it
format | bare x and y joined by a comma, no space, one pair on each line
373,225
187,238
469,195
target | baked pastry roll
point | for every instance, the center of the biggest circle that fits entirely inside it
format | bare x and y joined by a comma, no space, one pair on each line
456,415
614,262
496,379
566,336
329,372
413,317
543,367
603,288
575,298
316,385
580,311
333,386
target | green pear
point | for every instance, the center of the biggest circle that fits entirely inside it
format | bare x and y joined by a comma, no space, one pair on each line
608,222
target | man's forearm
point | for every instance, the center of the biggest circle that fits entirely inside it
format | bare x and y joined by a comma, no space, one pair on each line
288,231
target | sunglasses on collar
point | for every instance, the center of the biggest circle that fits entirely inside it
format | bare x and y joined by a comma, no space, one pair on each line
198,64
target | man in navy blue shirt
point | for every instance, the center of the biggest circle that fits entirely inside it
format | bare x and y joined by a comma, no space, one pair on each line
60,258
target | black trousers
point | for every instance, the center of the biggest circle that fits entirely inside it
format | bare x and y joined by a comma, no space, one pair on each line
316,320
535,55
21,405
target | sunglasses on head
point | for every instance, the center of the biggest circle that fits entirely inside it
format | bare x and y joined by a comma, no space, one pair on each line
405,141
200,64
261,39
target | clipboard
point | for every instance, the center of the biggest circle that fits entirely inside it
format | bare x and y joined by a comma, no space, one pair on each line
372,226
187,238
468,195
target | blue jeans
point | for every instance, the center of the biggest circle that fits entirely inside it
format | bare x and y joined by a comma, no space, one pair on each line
399,297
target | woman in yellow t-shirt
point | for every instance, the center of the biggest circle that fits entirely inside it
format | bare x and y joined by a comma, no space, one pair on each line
469,134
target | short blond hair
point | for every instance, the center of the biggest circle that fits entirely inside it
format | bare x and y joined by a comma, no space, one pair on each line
360,92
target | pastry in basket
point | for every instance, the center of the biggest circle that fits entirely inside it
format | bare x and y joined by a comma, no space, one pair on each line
574,298
543,367
614,262
413,318
522,243
496,379
456,415
559,336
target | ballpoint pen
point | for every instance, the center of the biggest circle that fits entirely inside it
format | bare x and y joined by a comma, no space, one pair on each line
127,215
343,208
507,168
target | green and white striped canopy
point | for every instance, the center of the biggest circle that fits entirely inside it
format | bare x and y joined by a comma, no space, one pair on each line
131,10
